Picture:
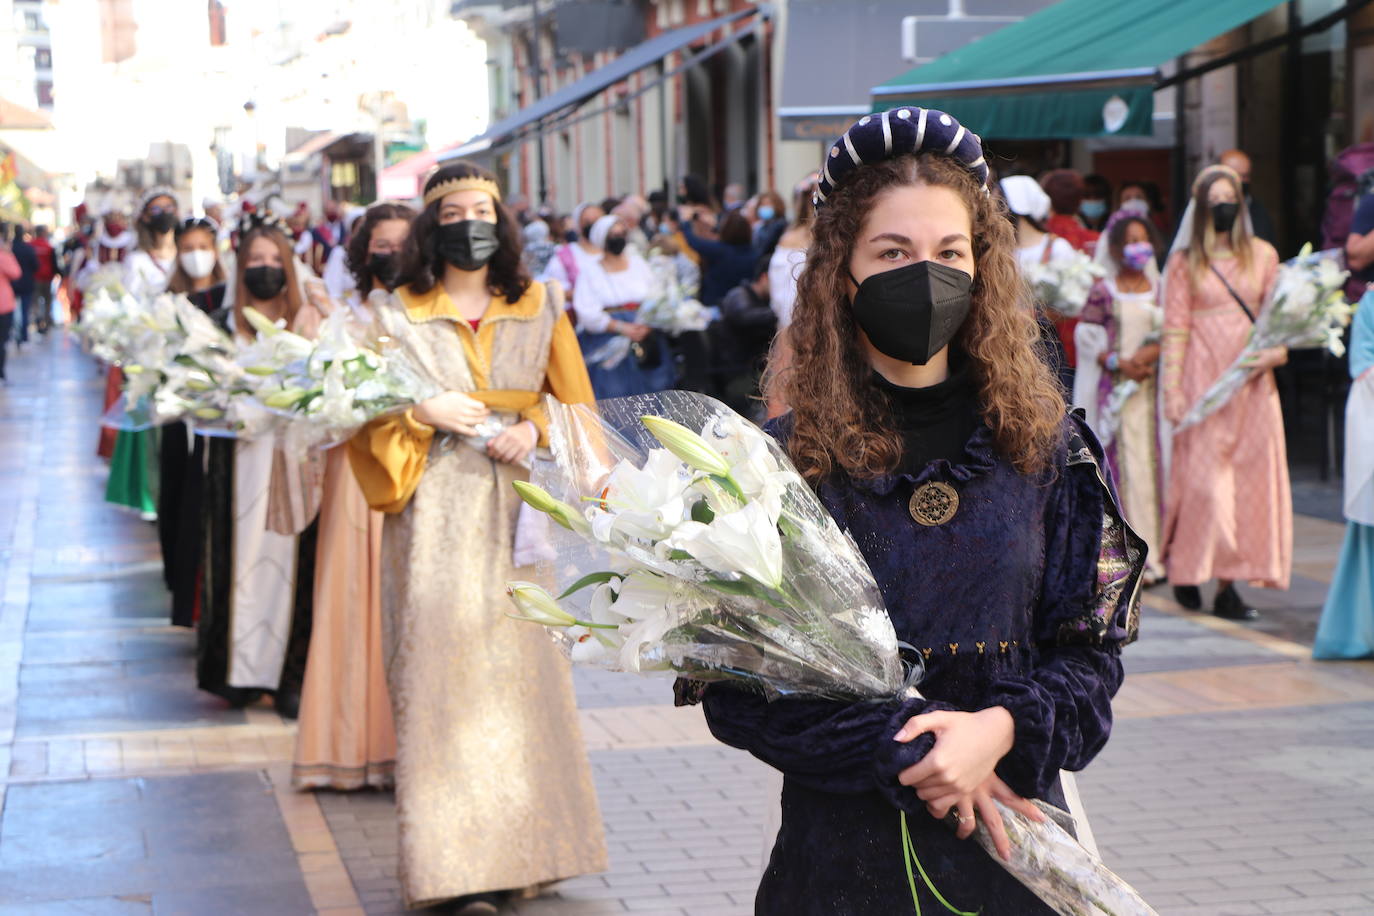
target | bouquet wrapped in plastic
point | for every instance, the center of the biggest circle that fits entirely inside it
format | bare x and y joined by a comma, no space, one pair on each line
686,542
704,555
325,389
1063,285
1306,308
177,363
672,307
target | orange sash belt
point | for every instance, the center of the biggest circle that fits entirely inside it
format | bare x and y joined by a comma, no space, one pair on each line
507,400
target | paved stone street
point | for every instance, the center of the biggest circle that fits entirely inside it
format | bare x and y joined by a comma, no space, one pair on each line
1239,780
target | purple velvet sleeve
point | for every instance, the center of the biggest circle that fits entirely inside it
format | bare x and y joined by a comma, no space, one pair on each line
844,748
1062,706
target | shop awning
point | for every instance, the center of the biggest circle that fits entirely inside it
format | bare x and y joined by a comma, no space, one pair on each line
1080,68
575,94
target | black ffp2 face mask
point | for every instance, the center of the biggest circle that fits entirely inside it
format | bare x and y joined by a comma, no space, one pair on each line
469,244
161,221
913,312
264,283
1224,216
382,267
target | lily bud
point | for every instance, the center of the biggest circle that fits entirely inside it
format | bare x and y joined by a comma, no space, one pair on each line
286,397
541,500
687,445
208,413
537,606
259,321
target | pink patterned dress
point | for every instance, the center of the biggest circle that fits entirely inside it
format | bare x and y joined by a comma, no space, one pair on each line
1229,510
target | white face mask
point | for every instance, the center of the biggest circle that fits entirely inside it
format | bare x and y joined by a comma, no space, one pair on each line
198,264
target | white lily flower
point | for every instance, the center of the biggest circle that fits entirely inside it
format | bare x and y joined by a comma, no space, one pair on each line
745,542
644,599
643,502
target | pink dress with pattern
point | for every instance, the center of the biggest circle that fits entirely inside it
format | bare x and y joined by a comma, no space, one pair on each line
1229,507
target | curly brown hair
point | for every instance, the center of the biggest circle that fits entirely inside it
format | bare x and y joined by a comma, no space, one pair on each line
840,420
361,238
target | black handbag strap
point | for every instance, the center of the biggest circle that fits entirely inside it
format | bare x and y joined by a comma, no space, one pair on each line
1234,295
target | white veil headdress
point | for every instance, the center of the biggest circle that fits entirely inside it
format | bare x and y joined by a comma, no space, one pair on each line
1183,239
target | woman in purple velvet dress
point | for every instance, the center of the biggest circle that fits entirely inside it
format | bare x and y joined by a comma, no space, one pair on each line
940,442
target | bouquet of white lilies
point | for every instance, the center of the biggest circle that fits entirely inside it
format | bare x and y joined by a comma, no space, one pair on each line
673,306
1306,308
1063,285
702,553
177,362
325,388
687,543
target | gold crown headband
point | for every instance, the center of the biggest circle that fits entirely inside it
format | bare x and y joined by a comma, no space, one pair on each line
444,188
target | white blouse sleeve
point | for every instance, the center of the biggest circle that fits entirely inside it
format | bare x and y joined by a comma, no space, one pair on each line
590,302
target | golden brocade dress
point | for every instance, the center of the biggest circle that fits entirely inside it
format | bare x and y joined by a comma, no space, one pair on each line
493,786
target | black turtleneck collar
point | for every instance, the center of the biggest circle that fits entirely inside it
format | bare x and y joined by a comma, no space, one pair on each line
936,421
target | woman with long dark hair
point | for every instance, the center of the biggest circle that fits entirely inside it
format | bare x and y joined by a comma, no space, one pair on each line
483,705
345,739
254,629
937,438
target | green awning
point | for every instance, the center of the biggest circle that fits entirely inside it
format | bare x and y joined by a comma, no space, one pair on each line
1079,68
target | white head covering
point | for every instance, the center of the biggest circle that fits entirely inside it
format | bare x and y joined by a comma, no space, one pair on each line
601,229
577,215
1025,197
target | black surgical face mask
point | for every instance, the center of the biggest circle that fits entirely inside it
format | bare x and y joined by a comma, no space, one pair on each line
1224,216
615,245
264,283
383,268
913,312
467,245
161,221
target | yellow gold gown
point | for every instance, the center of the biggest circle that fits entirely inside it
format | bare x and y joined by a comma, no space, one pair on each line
493,786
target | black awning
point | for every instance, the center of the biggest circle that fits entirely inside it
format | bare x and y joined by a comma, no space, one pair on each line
575,94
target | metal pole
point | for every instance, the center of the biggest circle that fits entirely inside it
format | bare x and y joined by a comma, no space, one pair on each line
538,94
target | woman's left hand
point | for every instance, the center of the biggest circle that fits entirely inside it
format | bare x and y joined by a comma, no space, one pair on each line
514,443
968,746
981,803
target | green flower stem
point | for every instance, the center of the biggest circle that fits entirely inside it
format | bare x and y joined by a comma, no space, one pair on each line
909,855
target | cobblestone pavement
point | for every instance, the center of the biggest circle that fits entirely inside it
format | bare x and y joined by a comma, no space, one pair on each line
1239,780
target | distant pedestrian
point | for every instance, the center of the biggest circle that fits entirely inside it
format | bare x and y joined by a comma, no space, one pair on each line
1229,506
43,278
1030,208
1115,384
573,257
9,272
740,339
771,222
624,356
1096,205
1346,629
538,249
726,261
1067,190
24,286
1260,220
